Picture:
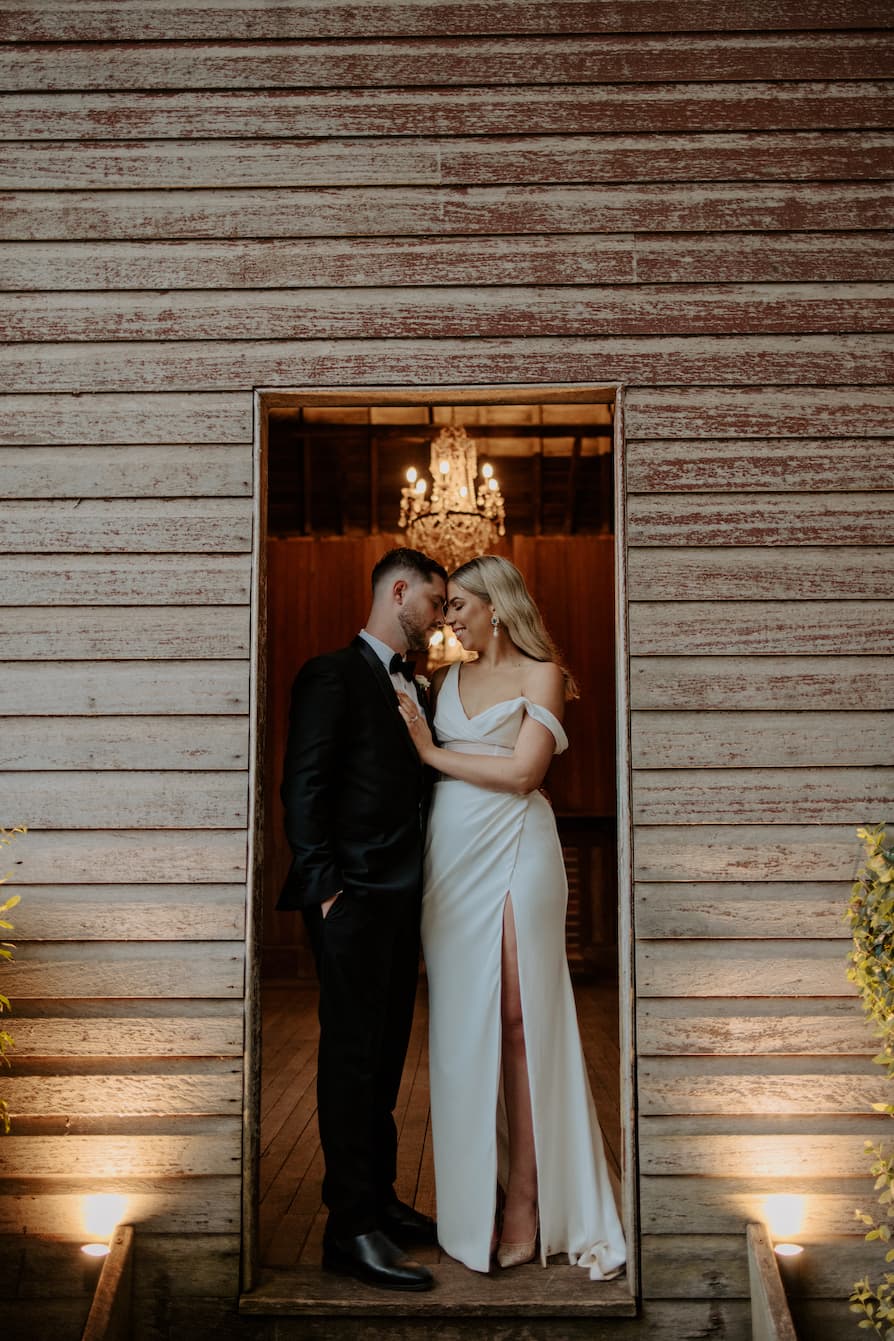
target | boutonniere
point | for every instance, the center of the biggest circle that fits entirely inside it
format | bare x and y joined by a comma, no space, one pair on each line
422,683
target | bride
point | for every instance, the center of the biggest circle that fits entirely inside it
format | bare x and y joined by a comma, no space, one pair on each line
510,1100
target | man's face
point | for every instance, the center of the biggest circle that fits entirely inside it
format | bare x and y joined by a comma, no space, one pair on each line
422,611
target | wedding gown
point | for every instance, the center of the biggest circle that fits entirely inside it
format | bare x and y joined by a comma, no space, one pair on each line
483,846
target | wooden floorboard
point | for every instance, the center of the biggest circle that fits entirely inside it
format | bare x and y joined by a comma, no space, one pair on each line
292,1217
526,1292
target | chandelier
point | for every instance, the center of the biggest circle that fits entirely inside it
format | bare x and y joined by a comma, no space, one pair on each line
456,522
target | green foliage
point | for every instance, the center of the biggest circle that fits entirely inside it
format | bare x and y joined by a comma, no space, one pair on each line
7,836
871,916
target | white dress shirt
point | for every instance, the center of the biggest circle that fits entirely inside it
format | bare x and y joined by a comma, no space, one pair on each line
385,653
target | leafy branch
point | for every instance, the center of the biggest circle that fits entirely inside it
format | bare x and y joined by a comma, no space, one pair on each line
871,916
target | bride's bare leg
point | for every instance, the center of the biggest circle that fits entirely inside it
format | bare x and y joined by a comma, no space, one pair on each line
520,1209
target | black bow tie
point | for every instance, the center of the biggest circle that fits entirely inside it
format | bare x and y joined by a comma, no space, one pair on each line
398,666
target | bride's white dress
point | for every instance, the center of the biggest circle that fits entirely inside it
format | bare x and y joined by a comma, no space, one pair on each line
482,846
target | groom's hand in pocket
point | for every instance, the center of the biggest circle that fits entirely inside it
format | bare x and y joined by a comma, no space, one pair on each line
328,903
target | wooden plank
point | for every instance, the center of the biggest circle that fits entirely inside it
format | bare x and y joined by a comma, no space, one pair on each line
159,632
679,1206
823,1026
111,1312
125,471
788,911
738,852
156,743
582,109
170,20
116,857
457,161
423,313
767,1147
25,1262
753,412
771,1319
125,970
175,1205
585,58
739,257
798,465
124,687
777,573
759,739
710,1266
129,912
144,579
37,1261
123,1156
128,1096
466,1303
788,968
761,519
118,525
770,682
127,418
110,1029
128,800
288,212
691,360
762,795
758,1085
213,1267
663,1318
761,628
258,263
693,1266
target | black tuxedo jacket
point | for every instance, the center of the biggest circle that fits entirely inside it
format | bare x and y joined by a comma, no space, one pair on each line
353,788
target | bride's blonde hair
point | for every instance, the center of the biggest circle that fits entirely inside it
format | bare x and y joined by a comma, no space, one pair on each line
499,583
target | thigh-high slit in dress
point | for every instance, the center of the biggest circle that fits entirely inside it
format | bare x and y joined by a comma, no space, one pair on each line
482,847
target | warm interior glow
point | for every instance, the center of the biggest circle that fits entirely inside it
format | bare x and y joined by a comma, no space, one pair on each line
784,1213
96,1249
788,1249
101,1212
444,467
411,475
492,483
437,638
420,486
487,470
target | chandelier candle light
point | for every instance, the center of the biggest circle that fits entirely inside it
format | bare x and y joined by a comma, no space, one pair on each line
456,522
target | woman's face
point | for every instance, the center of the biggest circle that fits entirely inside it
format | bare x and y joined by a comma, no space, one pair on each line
468,617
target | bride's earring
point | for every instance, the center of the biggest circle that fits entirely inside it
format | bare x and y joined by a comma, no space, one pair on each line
495,624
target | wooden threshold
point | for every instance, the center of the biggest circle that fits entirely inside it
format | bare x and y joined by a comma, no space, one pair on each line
527,1291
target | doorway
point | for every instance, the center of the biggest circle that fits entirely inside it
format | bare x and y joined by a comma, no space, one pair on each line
334,464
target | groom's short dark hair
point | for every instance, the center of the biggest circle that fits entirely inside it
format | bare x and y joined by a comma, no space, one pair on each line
407,561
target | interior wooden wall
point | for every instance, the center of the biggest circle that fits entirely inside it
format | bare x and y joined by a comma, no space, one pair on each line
318,597
204,198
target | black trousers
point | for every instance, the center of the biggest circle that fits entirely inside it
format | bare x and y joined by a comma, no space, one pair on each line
367,956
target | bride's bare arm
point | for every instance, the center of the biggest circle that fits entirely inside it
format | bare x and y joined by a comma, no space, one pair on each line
520,772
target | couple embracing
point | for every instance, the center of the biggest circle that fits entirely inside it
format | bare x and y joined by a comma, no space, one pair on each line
406,808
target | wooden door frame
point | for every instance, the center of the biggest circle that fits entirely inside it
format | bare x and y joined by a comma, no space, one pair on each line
266,399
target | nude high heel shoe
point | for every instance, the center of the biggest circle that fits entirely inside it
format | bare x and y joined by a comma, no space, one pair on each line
516,1254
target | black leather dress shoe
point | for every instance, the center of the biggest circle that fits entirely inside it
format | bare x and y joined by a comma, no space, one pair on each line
374,1259
406,1225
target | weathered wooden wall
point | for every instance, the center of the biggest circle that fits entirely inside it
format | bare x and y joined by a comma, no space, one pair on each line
691,198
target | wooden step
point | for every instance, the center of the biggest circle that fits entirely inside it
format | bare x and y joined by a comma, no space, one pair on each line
560,1291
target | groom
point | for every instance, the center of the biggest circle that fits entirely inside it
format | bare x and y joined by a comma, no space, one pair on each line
354,795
